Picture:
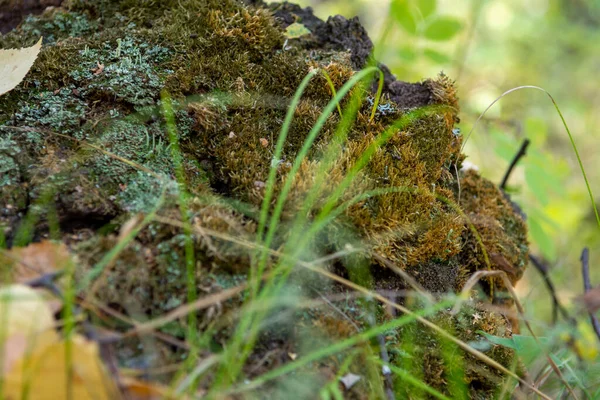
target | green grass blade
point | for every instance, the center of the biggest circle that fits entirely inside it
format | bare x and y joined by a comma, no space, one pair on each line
190,263
377,96
340,346
416,382
564,122
333,91
270,184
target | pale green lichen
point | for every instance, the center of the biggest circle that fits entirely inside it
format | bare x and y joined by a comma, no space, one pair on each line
99,83
9,167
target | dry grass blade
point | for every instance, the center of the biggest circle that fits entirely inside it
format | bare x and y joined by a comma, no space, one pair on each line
185,310
481,274
409,279
99,309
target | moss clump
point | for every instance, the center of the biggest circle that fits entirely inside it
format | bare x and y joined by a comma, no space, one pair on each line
501,228
87,126
434,359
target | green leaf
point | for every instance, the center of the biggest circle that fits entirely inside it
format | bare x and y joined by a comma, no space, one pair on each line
400,10
547,167
296,30
504,145
526,346
506,342
436,56
426,7
442,28
407,54
541,238
536,129
537,182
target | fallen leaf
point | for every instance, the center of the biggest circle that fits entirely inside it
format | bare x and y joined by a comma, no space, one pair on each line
36,260
44,374
591,299
135,389
24,310
14,349
99,68
27,323
15,64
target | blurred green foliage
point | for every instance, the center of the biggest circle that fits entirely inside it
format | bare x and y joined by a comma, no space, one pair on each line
489,47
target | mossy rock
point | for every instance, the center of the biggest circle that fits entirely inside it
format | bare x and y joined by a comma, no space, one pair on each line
84,148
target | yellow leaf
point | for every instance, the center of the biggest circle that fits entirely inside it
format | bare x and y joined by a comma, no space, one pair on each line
14,65
44,374
586,342
26,323
23,310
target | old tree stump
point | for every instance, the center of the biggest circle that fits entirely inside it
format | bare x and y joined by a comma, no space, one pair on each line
84,148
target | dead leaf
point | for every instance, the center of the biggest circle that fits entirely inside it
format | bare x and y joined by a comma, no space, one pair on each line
14,349
15,64
29,322
591,300
24,310
99,68
44,374
135,389
35,260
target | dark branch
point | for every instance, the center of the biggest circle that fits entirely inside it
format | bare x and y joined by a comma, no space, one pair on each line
556,306
522,151
46,281
587,286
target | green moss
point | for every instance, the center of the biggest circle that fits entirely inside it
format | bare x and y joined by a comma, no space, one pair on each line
427,354
98,81
502,230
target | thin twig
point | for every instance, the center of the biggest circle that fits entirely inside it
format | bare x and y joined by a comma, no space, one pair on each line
520,154
587,286
556,306
404,275
389,382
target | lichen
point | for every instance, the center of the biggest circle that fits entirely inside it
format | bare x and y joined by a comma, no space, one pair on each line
88,123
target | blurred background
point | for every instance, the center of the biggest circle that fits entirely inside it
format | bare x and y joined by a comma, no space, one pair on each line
489,47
